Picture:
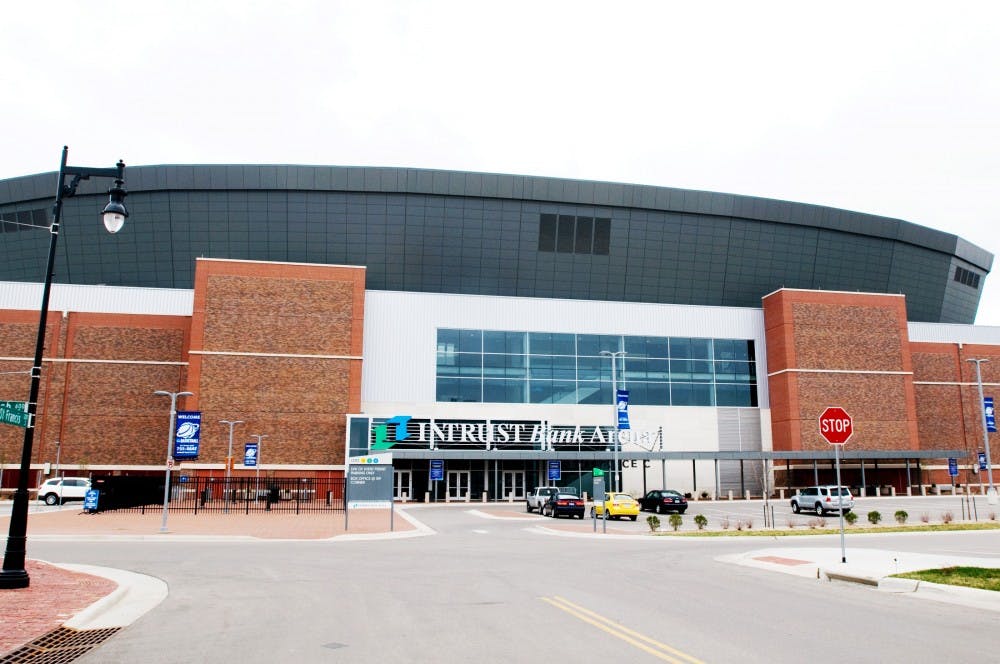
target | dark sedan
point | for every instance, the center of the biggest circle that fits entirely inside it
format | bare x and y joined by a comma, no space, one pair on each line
662,501
569,504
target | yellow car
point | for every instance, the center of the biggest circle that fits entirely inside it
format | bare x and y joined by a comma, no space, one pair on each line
618,506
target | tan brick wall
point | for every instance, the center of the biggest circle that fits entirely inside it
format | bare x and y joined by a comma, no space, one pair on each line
839,349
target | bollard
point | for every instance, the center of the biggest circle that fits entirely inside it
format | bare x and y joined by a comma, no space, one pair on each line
427,496
730,494
406,497
923,489
485,495
510,496
747,495
781,492
468,496
892,491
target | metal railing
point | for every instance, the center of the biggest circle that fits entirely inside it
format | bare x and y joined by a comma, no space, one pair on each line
238,495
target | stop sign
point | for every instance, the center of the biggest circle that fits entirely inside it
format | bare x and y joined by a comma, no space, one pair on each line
835,425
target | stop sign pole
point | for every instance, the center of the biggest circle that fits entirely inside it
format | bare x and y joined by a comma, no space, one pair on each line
836,427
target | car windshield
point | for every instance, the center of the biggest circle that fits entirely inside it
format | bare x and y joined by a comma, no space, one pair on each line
567,495
622,498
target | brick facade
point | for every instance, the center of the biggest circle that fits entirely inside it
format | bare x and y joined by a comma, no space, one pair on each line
275,345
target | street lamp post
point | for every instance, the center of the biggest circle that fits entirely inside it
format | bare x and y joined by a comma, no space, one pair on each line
170,448
614,355
260,444
14,574
986,438
229,457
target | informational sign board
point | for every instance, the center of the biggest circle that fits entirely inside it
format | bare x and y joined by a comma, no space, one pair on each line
90,500
953,467
622,398
369,482
598,488
187,435
250,455
437,470
555,469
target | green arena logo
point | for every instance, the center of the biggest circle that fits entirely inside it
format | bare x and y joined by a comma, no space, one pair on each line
399,432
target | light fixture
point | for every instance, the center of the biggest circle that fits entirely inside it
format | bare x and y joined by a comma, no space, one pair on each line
115,213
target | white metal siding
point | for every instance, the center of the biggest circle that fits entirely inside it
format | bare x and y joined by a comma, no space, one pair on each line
400,336
951,333
98,299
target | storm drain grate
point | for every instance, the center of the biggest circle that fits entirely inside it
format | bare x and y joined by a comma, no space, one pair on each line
59,646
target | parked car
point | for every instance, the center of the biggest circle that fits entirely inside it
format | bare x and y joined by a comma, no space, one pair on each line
569,504
618,505
662,501
58,490
823,499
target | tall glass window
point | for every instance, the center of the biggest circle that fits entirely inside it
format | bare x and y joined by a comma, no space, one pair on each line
490,366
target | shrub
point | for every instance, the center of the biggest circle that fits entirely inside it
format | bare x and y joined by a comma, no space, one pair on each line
901,516
817,523
724,523
851,518
701,521
654,523
704,495
749,524
947,517
792,523
993,516
874,517
925,517
676,520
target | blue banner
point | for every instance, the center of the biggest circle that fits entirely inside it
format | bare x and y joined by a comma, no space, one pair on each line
187,435
953,467
622,397
991,423
250,455
555,469
982,461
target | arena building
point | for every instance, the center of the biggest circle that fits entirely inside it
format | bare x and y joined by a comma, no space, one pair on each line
480,323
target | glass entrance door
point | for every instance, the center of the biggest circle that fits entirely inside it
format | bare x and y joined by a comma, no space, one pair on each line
457,484
402,485
513,483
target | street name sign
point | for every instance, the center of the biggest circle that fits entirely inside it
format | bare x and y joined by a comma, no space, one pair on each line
14,412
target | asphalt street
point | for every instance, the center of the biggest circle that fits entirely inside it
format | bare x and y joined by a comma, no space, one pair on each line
499,586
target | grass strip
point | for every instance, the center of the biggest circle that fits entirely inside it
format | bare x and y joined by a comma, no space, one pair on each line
806,531
983,578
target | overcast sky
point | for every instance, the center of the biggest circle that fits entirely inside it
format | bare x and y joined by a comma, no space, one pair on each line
891,108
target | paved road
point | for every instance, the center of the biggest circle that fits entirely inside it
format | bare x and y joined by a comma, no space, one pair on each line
503,590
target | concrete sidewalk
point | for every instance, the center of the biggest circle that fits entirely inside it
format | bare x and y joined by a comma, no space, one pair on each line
874,567
84,597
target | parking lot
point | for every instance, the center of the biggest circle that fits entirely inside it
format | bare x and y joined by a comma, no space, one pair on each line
750,514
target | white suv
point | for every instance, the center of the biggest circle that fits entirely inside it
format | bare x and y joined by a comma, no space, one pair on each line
822,499
60,489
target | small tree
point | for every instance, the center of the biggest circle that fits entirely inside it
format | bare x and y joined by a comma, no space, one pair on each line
676,520
654,522
901,516
851,518
701,521
874,517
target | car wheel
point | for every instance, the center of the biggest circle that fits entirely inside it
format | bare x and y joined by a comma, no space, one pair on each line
580,515
633,517
527,508
682,511
795,507
819,510
660,509
51,499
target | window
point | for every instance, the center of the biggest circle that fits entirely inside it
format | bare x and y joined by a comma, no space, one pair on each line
569,234
492,366
967,277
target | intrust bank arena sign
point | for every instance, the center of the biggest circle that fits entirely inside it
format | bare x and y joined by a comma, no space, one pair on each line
404,431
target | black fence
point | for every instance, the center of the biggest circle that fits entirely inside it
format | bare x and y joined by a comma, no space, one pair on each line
218,494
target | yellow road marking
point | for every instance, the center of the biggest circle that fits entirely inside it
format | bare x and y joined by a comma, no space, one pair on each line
665,652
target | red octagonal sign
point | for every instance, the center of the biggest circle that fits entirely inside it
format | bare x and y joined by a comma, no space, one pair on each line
835,425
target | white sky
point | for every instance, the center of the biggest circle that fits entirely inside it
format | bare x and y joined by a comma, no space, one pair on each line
885,107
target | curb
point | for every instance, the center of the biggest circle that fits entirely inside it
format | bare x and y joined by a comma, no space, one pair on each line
135,595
